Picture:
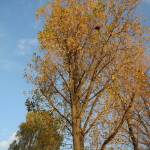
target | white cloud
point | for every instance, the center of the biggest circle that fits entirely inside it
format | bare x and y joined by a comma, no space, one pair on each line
4,144
26,46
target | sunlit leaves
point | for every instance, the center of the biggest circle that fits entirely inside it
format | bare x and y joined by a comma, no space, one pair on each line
40,131
93,64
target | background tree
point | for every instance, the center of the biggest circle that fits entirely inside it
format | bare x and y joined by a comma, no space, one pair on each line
135,132
86,69
39,132
139,119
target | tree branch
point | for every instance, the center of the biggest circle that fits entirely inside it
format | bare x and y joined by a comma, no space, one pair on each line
113,134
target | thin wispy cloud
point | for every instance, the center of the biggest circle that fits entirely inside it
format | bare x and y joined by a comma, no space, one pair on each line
26,46
146,1
2,35
4,144
9,65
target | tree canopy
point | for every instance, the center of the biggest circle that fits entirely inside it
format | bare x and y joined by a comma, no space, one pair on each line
39,132
92,69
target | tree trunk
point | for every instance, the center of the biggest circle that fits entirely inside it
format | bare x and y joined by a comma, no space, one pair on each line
78,140
134,141
103,146
78,137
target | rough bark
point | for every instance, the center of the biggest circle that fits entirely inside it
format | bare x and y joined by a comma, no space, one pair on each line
78,137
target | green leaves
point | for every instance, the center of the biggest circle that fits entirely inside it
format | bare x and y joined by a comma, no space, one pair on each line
40,131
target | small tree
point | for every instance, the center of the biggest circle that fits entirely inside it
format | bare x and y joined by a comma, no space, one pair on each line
39,132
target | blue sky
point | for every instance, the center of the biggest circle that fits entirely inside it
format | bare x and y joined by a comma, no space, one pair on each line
18,32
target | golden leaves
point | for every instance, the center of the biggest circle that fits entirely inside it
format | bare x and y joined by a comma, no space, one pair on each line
71,42
97,66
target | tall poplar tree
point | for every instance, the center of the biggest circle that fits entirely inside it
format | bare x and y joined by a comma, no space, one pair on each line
92,53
